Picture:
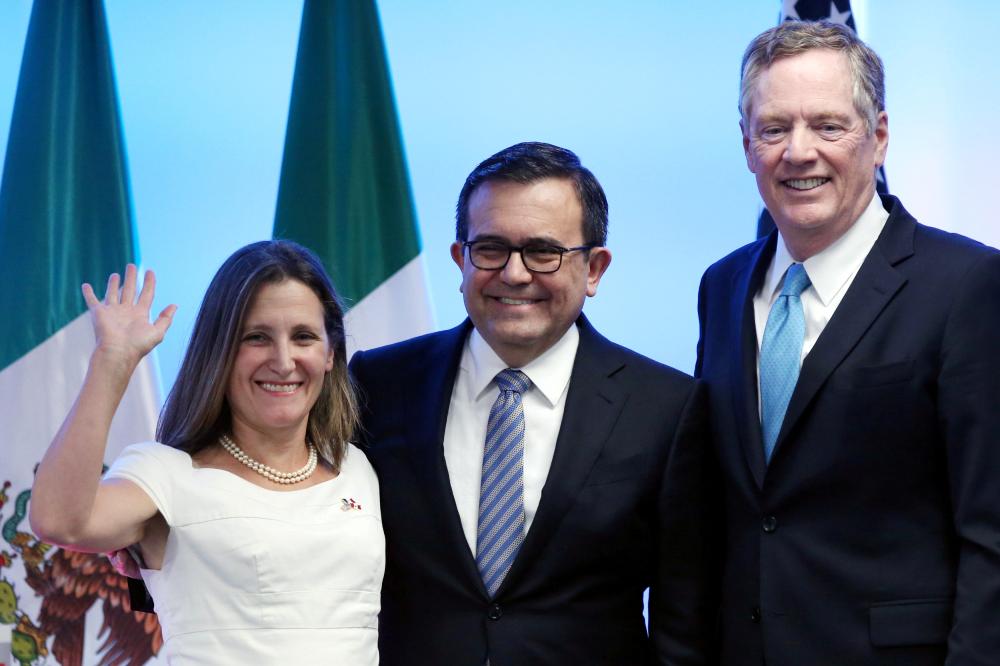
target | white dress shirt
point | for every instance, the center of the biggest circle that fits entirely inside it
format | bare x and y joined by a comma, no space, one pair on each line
830,272
473,395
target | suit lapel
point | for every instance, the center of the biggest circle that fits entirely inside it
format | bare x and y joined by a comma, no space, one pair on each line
744,356
593,404
873,287
428,419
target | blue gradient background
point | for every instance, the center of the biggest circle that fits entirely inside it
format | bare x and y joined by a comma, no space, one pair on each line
645,92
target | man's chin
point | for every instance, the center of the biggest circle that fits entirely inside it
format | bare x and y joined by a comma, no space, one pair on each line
802,217
517,337
515,334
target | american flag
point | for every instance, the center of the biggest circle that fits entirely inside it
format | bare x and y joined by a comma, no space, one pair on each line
818,10
837,11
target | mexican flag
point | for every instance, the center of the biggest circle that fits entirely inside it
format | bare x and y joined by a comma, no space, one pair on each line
344,191
65,218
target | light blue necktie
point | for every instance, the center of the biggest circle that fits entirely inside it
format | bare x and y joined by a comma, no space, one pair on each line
501,492
781,354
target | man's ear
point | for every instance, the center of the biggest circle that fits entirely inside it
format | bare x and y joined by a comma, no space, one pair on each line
600,259
881,137
746,146
458,254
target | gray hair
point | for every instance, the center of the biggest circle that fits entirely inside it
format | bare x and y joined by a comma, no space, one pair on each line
795,37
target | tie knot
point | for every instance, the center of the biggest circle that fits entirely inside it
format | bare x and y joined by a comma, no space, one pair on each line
513,380
796,281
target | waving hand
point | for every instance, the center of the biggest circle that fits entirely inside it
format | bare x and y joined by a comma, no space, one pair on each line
69,504
121,320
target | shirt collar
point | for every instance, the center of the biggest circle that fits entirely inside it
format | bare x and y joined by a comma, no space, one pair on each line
832,268
549,373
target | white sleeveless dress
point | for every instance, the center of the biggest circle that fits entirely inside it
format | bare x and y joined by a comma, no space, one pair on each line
257,576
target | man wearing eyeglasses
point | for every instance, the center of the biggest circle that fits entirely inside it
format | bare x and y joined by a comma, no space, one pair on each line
536,478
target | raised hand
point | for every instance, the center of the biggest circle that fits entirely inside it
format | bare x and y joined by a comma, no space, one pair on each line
69,504
121,320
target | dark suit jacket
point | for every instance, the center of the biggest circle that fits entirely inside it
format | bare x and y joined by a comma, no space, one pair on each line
873,537
620,511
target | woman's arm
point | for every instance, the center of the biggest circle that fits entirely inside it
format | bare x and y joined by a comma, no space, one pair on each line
70,506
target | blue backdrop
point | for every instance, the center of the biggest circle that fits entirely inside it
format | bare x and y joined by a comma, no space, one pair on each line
644,91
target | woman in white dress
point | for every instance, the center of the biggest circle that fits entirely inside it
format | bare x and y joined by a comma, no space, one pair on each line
256,522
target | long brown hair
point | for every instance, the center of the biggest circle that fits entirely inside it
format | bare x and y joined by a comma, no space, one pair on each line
196,412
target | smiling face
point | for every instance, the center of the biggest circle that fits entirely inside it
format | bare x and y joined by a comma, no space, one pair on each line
282,358
519,313
810,149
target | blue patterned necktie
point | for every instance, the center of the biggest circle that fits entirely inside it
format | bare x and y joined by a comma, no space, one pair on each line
501,492
781,354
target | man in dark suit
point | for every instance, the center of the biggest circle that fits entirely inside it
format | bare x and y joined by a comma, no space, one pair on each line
601,484
853,367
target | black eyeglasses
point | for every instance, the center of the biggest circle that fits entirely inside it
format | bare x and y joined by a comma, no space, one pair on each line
488,255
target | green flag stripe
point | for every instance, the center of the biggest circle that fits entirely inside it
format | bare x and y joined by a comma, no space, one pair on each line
344,190
65,210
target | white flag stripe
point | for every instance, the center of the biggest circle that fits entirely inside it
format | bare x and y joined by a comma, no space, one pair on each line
39,388
38,391
397,309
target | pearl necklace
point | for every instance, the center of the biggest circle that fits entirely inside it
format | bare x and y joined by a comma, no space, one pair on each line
269,472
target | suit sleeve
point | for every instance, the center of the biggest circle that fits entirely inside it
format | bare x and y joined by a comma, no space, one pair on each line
356,367
357,370
701,326
702,314
969,418
683,599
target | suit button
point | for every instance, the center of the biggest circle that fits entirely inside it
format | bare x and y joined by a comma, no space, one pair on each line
770,523
755,614
495,612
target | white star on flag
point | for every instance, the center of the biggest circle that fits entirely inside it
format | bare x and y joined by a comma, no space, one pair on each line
837,16
790,13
